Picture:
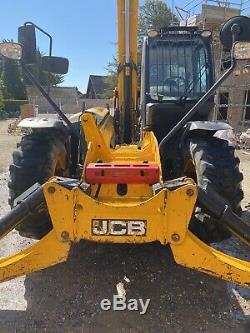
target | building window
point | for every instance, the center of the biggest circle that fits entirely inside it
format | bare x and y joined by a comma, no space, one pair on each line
247,105
223,108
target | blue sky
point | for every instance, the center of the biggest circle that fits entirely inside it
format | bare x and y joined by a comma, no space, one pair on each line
83,30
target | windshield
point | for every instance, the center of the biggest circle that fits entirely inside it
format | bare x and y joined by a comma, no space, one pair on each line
178,69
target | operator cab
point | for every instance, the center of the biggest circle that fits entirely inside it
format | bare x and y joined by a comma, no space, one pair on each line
177,70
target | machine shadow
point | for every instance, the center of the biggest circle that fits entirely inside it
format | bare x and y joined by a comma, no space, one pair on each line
66,298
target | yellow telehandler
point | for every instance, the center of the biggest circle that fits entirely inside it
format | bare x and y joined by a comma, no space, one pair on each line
152,168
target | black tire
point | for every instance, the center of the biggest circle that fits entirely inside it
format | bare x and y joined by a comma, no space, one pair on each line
38,157
216,165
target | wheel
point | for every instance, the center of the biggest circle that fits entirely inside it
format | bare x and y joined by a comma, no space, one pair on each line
215,164
39,157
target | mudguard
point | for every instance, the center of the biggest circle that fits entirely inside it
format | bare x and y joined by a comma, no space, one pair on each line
42,122
208,126
217,129
53,121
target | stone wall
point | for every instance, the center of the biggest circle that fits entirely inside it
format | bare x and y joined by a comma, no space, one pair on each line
236,86
67,98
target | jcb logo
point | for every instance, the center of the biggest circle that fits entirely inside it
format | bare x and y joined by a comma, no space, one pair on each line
119,228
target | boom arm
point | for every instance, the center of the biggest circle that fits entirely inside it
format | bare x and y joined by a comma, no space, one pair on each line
127,68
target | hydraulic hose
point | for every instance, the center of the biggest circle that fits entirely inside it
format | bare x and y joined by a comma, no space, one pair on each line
33,203
218,207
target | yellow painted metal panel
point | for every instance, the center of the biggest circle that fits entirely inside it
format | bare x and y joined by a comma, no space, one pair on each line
47,252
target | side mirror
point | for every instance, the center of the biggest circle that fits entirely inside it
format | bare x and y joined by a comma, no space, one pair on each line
27,38
236,29
12,51
55,65
241,51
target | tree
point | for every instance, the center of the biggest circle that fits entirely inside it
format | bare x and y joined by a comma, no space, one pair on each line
111,80
42,76
12,81
13,85
154,14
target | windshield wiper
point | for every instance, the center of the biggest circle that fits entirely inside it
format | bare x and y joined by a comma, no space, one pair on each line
183,98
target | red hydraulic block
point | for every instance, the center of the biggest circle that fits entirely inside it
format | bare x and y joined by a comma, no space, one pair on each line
102,173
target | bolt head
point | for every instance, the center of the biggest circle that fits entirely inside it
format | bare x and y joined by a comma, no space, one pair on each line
65,235
51,189
175,237
190,192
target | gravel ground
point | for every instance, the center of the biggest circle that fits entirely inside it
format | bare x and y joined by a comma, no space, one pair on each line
66,298
7,144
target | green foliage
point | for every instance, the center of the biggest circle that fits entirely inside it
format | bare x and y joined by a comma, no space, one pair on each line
42,76
13,85
111,81
154,14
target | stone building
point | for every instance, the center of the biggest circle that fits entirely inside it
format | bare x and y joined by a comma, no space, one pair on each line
232,101
69,99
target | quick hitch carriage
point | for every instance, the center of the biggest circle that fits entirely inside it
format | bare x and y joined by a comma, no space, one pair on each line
121,195
135,212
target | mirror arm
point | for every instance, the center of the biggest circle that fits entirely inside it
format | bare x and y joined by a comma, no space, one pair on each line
56,108
50,47
235,32
197,106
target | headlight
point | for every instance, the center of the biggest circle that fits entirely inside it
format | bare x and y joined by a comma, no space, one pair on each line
152,33
206,34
